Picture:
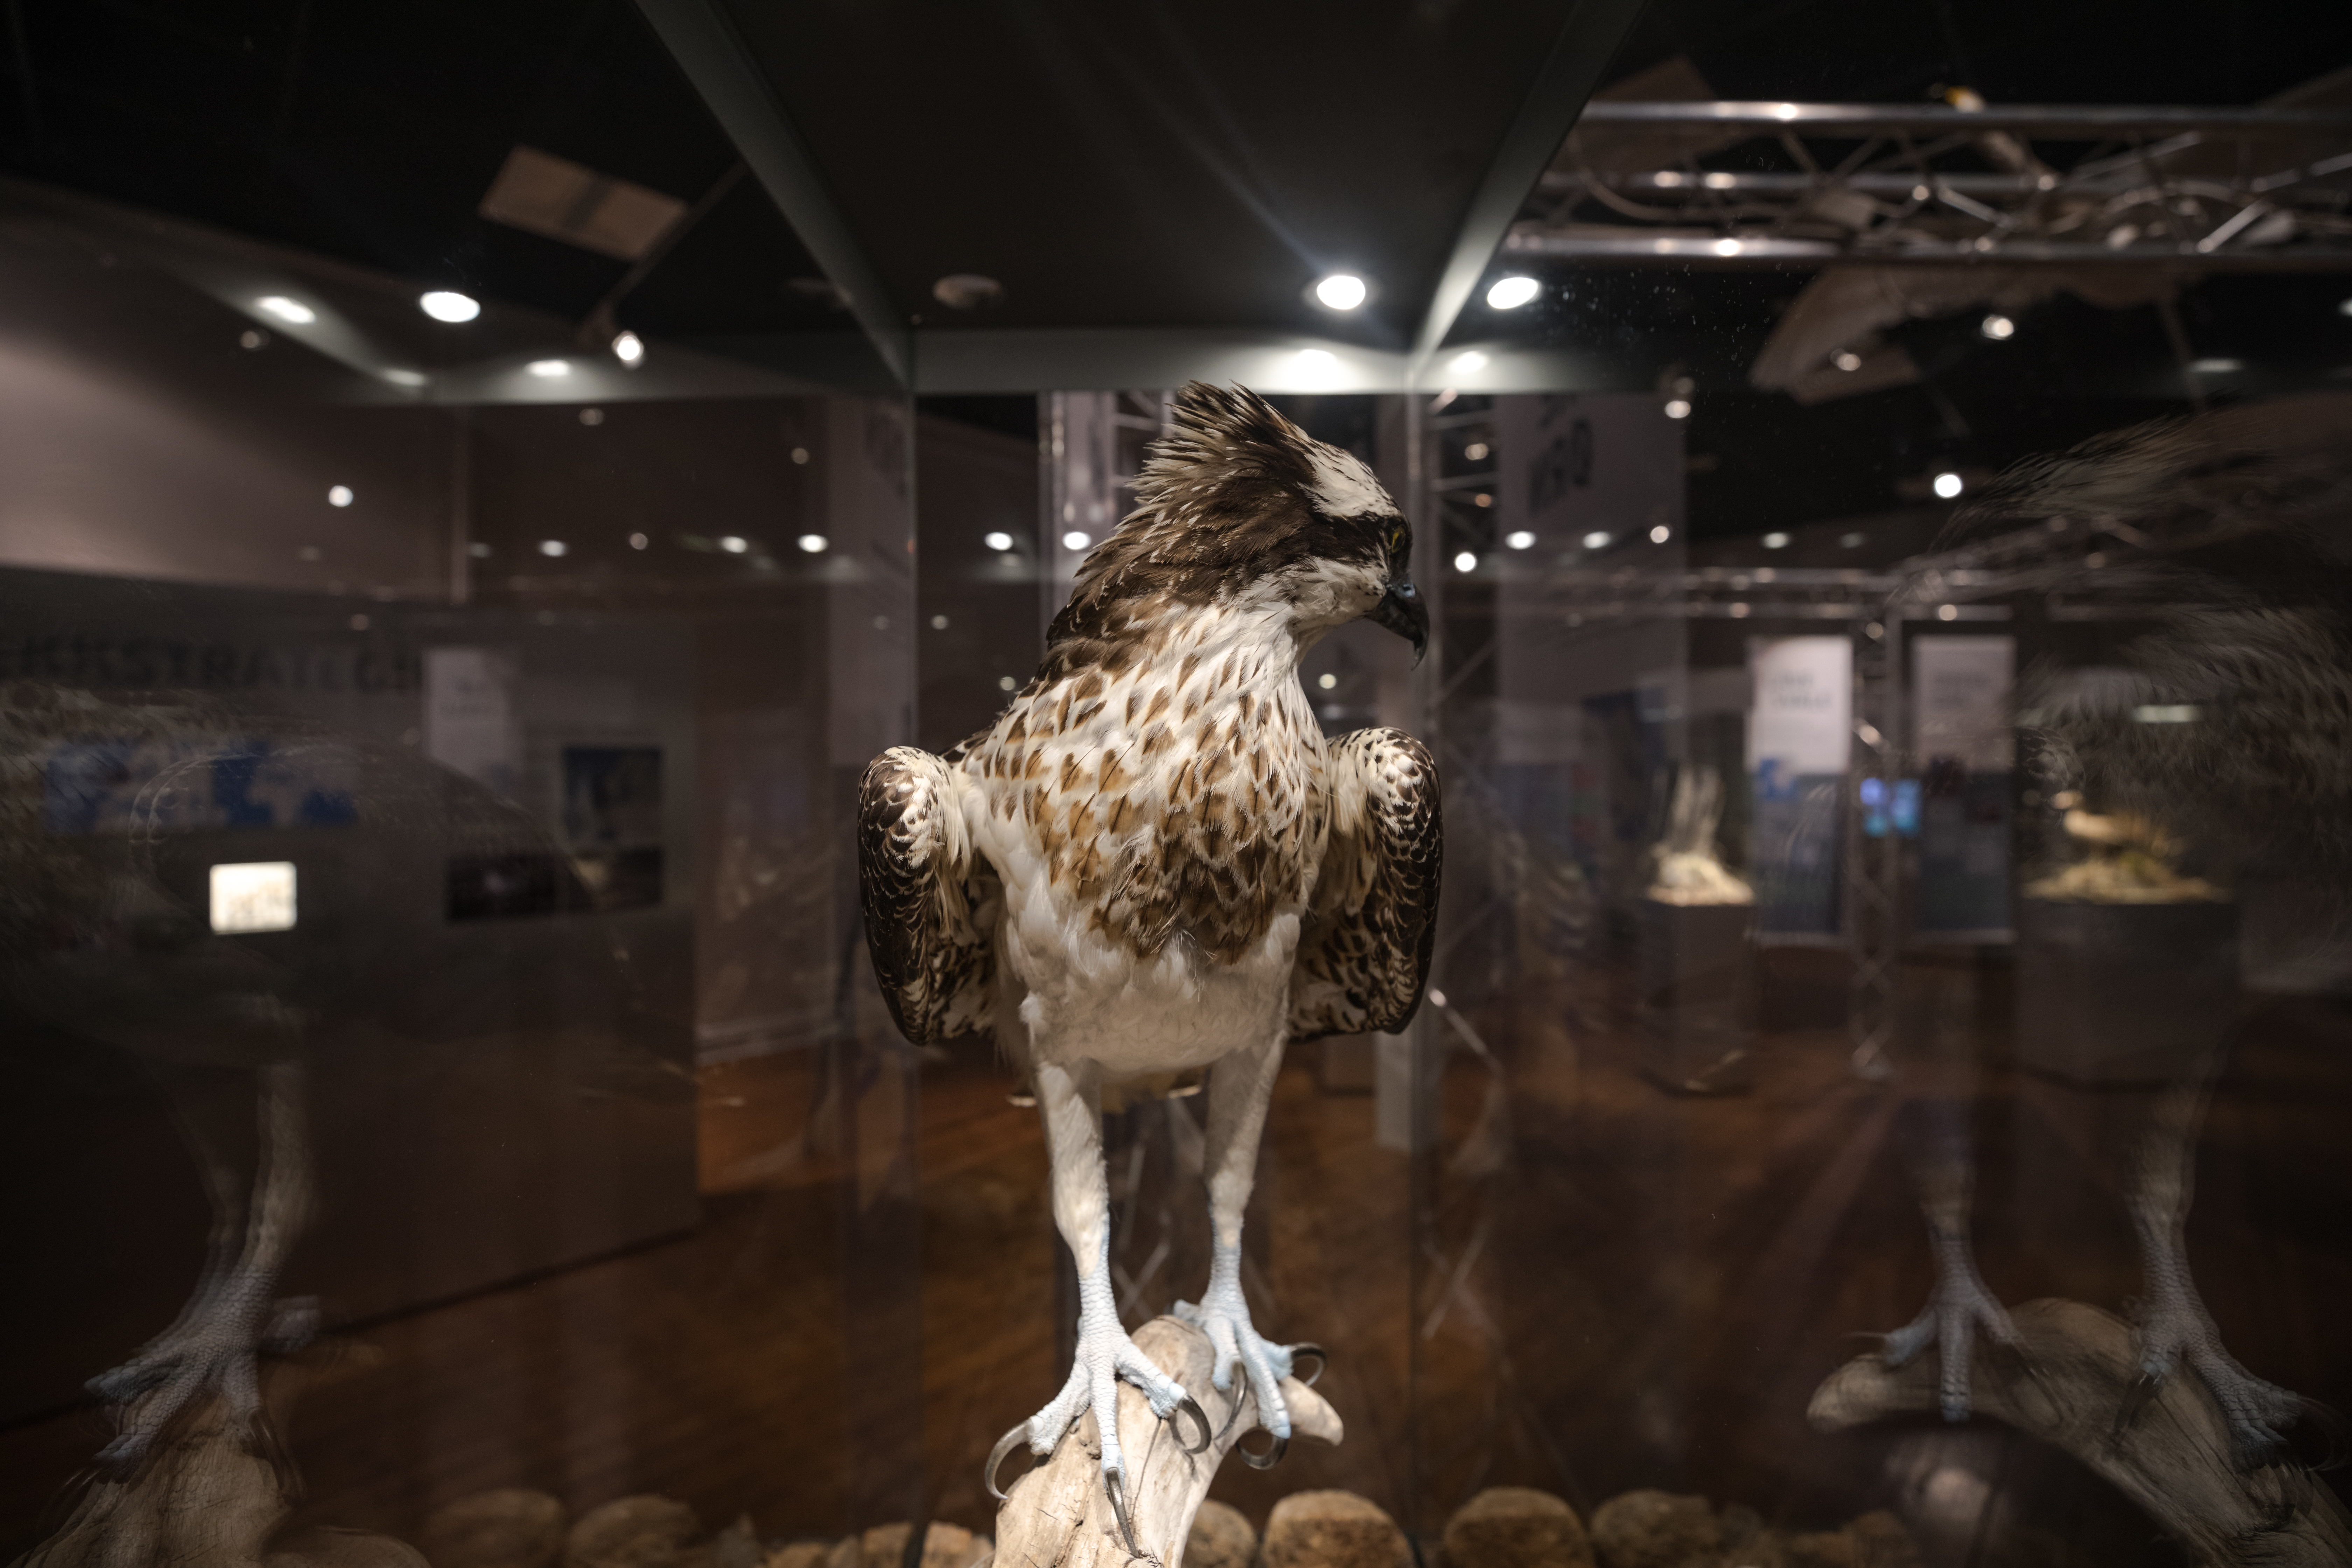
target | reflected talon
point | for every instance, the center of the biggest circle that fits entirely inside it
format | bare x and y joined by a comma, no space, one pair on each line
1267,1461
1004,1445
1309,1348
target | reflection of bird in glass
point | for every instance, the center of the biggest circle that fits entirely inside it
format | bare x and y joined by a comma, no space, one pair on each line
2226,740
1152,863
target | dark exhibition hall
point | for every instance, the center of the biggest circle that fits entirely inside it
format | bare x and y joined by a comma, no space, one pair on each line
1426,783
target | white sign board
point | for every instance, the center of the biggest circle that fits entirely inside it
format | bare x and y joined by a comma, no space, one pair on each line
1961,686
1800,721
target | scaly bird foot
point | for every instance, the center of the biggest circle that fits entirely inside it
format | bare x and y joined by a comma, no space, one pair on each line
2173,1327
214,1347
1957,1308
1106,1355
1224,1316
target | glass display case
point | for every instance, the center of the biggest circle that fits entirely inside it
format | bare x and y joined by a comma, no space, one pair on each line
1878,1091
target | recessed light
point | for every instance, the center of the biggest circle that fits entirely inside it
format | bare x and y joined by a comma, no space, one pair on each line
553,547
358,622
1076,539
1483,499
1522,540
591,416
251,339
550,367
284,310
1677,407
800,454
1850,540
1342,291
1776,541
1847,360
448,305
340,495
2216,366
1476,451
639,541
1727,247
1327,680
938,623
629,349
1947,612
1468,361
1596,539
477,549
1661,533
1510,293
1997,327
997,540
1947,485
1466,561
814,543
733,543
1006,683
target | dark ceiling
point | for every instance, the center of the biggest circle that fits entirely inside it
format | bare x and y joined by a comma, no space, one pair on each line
1132,165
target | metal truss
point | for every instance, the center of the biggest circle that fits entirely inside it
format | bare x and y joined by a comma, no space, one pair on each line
2208,189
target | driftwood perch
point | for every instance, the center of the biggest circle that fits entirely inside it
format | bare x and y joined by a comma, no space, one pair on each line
2074,1373
1059,1515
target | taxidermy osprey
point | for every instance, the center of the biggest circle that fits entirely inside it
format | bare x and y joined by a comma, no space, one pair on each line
1153,863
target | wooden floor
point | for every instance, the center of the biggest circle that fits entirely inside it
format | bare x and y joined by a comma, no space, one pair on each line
1610,1287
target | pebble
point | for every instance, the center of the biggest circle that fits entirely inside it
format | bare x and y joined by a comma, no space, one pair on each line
1221,1538
633,1532
1656,1530
1516,1527
1332,1530
510,1528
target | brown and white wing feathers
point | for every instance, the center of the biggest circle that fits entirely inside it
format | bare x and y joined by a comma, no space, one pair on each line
1364,944
930,903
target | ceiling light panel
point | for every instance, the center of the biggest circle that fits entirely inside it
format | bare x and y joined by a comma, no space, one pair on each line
558,199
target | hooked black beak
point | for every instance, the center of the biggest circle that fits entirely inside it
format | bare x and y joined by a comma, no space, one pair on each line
1401,611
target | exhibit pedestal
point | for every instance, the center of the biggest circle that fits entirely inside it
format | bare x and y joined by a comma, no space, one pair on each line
1697,969
2124,993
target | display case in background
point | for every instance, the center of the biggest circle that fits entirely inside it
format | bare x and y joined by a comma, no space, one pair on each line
1886,675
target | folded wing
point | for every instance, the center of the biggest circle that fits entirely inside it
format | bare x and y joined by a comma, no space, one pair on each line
930,903
1364,946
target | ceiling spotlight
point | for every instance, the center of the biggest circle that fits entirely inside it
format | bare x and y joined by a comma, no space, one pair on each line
553,547
938,623
1846,359
1596,539
997,540
1776,541
1076,539
1661,533
1476,451
1998,327
339,495
1510,293
1006,683
2216,366
629,349
733,543
1483,499
1341,291
250,338
1677,407
1522,540
286,309
1468,361
1327,680
1466,561
1947,485
1727,247
639,541
448,305
550,367
814,543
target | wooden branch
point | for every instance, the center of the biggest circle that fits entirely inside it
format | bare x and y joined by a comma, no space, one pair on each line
1059,1516
2065,1384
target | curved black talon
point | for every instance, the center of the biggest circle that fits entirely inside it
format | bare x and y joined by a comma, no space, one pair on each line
1308,1347
1190,1406
1119,1506
1004,1445
1267,1461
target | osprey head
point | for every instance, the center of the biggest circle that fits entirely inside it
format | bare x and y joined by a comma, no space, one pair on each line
1237,500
